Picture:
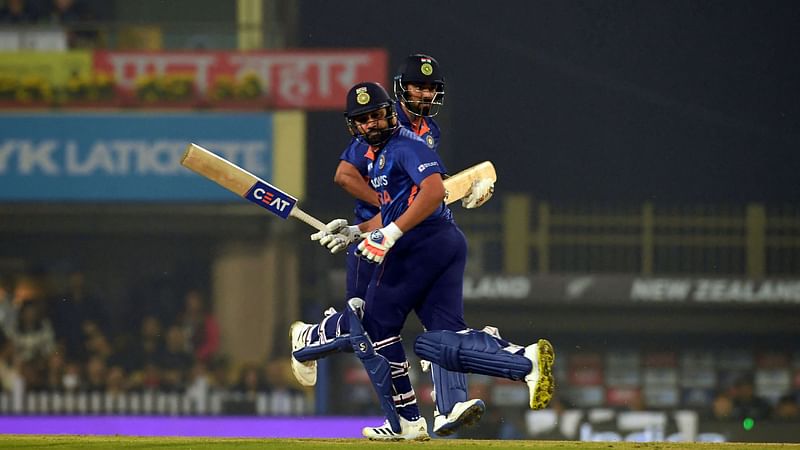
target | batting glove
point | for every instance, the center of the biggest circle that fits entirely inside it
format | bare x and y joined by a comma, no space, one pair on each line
337,235
479,193
378,243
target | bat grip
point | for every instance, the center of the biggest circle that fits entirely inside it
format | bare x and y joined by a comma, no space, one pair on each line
308,218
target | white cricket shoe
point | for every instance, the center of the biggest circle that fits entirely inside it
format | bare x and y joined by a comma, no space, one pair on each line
410,431
540,380
304,372
463,414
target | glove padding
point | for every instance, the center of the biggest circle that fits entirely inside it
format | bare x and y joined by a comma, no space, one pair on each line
378,243
337,235
479,193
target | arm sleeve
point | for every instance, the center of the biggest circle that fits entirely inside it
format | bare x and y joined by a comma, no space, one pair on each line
420,162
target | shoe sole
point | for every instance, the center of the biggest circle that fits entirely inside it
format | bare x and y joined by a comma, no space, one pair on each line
295,363
398,439
468,418
545,385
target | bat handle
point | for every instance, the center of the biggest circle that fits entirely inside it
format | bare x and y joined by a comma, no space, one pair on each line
308,218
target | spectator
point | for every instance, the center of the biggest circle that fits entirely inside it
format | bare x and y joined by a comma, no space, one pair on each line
33,337
722,406
76,313
200,326
176,361
72,381
56,366
146,379
17,12
8,311
116,382
250,381
219,376
76,16
96,343
149,347
67,12
9,375
96,374
745,402
787,409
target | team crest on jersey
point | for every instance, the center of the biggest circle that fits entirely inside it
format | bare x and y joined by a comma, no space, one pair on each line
429,140
381,161
362,96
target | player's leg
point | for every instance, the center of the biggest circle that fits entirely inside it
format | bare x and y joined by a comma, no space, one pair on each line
325,336
443,309
479,352
396,288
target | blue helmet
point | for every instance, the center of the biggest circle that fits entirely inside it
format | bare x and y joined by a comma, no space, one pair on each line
420,69
364,98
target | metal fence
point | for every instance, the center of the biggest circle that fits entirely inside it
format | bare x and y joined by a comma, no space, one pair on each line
520,235
213,403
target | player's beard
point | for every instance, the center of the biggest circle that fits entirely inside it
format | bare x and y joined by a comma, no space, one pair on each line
378,136
374,135
420,108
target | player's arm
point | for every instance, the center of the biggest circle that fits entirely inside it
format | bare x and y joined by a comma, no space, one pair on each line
430,196
350,179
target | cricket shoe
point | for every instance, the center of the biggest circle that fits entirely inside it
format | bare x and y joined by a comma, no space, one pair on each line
540,379
304,372
466,413
409,431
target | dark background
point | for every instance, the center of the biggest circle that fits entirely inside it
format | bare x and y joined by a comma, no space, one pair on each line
672,102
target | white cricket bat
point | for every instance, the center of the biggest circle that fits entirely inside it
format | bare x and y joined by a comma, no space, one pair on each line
457,186
245,184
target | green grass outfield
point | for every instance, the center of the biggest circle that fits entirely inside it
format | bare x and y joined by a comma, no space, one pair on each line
115,442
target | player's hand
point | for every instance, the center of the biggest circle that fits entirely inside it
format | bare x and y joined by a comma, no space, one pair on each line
479,193
378,243
337,235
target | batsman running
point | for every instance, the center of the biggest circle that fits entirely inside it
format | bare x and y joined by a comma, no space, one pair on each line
423,255
419,88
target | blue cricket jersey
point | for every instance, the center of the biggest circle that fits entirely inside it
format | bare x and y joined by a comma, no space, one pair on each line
397,172
358,154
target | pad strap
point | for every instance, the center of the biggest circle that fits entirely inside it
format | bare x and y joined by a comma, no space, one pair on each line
314,352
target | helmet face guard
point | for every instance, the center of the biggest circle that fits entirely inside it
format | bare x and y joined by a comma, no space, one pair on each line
419,107
363,99
420,70
381,135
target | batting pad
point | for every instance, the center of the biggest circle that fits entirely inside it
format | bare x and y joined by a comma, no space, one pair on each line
471,352
450,388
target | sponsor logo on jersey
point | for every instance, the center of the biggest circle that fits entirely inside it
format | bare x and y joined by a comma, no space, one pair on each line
424,166
379,181
271,199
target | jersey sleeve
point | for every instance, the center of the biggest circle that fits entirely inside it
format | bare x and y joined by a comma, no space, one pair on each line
355,155
420,162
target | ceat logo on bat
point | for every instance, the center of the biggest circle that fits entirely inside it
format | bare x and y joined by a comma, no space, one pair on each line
271,198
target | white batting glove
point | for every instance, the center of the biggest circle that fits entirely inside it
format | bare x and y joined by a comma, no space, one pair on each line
337,235
378,243
479,193
425,365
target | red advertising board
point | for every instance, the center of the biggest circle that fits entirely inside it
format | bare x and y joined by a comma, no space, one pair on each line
305,79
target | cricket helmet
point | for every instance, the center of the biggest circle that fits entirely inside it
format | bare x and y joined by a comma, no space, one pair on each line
420,69
364,98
